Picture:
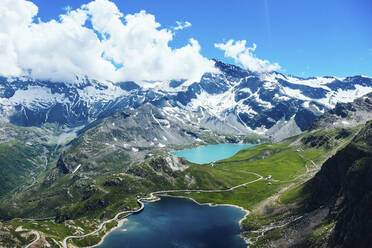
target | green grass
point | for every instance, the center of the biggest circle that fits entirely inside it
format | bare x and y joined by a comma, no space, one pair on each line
247,196
264,241
286,164
50,228
58,231
294,195
255,153
320,234
106,194
313,154
208,177
15,239
283,165
17,161
279,161
94,238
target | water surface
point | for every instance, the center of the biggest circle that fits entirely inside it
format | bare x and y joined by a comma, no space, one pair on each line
174,222
207,154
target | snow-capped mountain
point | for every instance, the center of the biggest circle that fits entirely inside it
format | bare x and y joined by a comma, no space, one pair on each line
233,101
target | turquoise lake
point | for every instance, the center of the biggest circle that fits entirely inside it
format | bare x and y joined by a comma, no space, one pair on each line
175,222
207,154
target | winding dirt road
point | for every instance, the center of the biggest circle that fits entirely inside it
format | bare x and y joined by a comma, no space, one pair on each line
37,238
152,196
105,222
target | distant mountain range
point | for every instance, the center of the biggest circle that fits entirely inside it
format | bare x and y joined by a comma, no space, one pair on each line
233,101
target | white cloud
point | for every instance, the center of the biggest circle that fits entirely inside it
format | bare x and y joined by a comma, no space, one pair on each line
182,25
61,49
67,8
245,56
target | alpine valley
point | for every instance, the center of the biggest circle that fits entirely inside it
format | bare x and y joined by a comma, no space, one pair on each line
75,154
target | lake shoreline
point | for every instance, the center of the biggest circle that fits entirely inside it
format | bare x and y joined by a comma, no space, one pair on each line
121,222
158,198
154,196
247,212
219,151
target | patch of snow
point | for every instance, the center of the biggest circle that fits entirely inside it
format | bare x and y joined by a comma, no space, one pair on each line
319,82
92,94
282,98
294,94
306,104
344,96
35,97
75,170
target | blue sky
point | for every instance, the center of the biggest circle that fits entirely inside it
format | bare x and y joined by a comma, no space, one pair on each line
307,38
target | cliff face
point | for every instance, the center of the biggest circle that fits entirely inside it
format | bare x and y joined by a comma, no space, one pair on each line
346,115
345,185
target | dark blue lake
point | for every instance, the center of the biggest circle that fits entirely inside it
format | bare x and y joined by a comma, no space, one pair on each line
207,154
175,222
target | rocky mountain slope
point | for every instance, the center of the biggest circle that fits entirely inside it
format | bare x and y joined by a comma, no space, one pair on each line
123,143
115,158
132,135
332,209
343,184
85,149
347,114
26,153
234,100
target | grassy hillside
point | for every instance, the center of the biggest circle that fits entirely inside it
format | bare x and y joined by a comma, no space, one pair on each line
26,153
330,210
88,199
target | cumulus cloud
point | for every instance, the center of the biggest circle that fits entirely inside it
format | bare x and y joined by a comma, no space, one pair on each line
245,56
96,40
182,25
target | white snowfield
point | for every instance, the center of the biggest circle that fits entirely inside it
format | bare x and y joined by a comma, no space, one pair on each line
221,110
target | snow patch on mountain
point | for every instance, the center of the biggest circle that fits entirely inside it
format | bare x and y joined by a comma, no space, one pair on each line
34,97
93,94
232,100
343,96
316,82
294,93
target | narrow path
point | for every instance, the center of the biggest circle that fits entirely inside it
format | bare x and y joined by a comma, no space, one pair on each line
40,219
105,222
264,230
204,190
37,239
153,197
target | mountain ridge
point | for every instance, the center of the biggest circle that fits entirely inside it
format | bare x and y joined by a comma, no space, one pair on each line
234,100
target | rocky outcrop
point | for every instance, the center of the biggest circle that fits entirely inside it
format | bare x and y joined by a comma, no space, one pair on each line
62,166
344,184
346,114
